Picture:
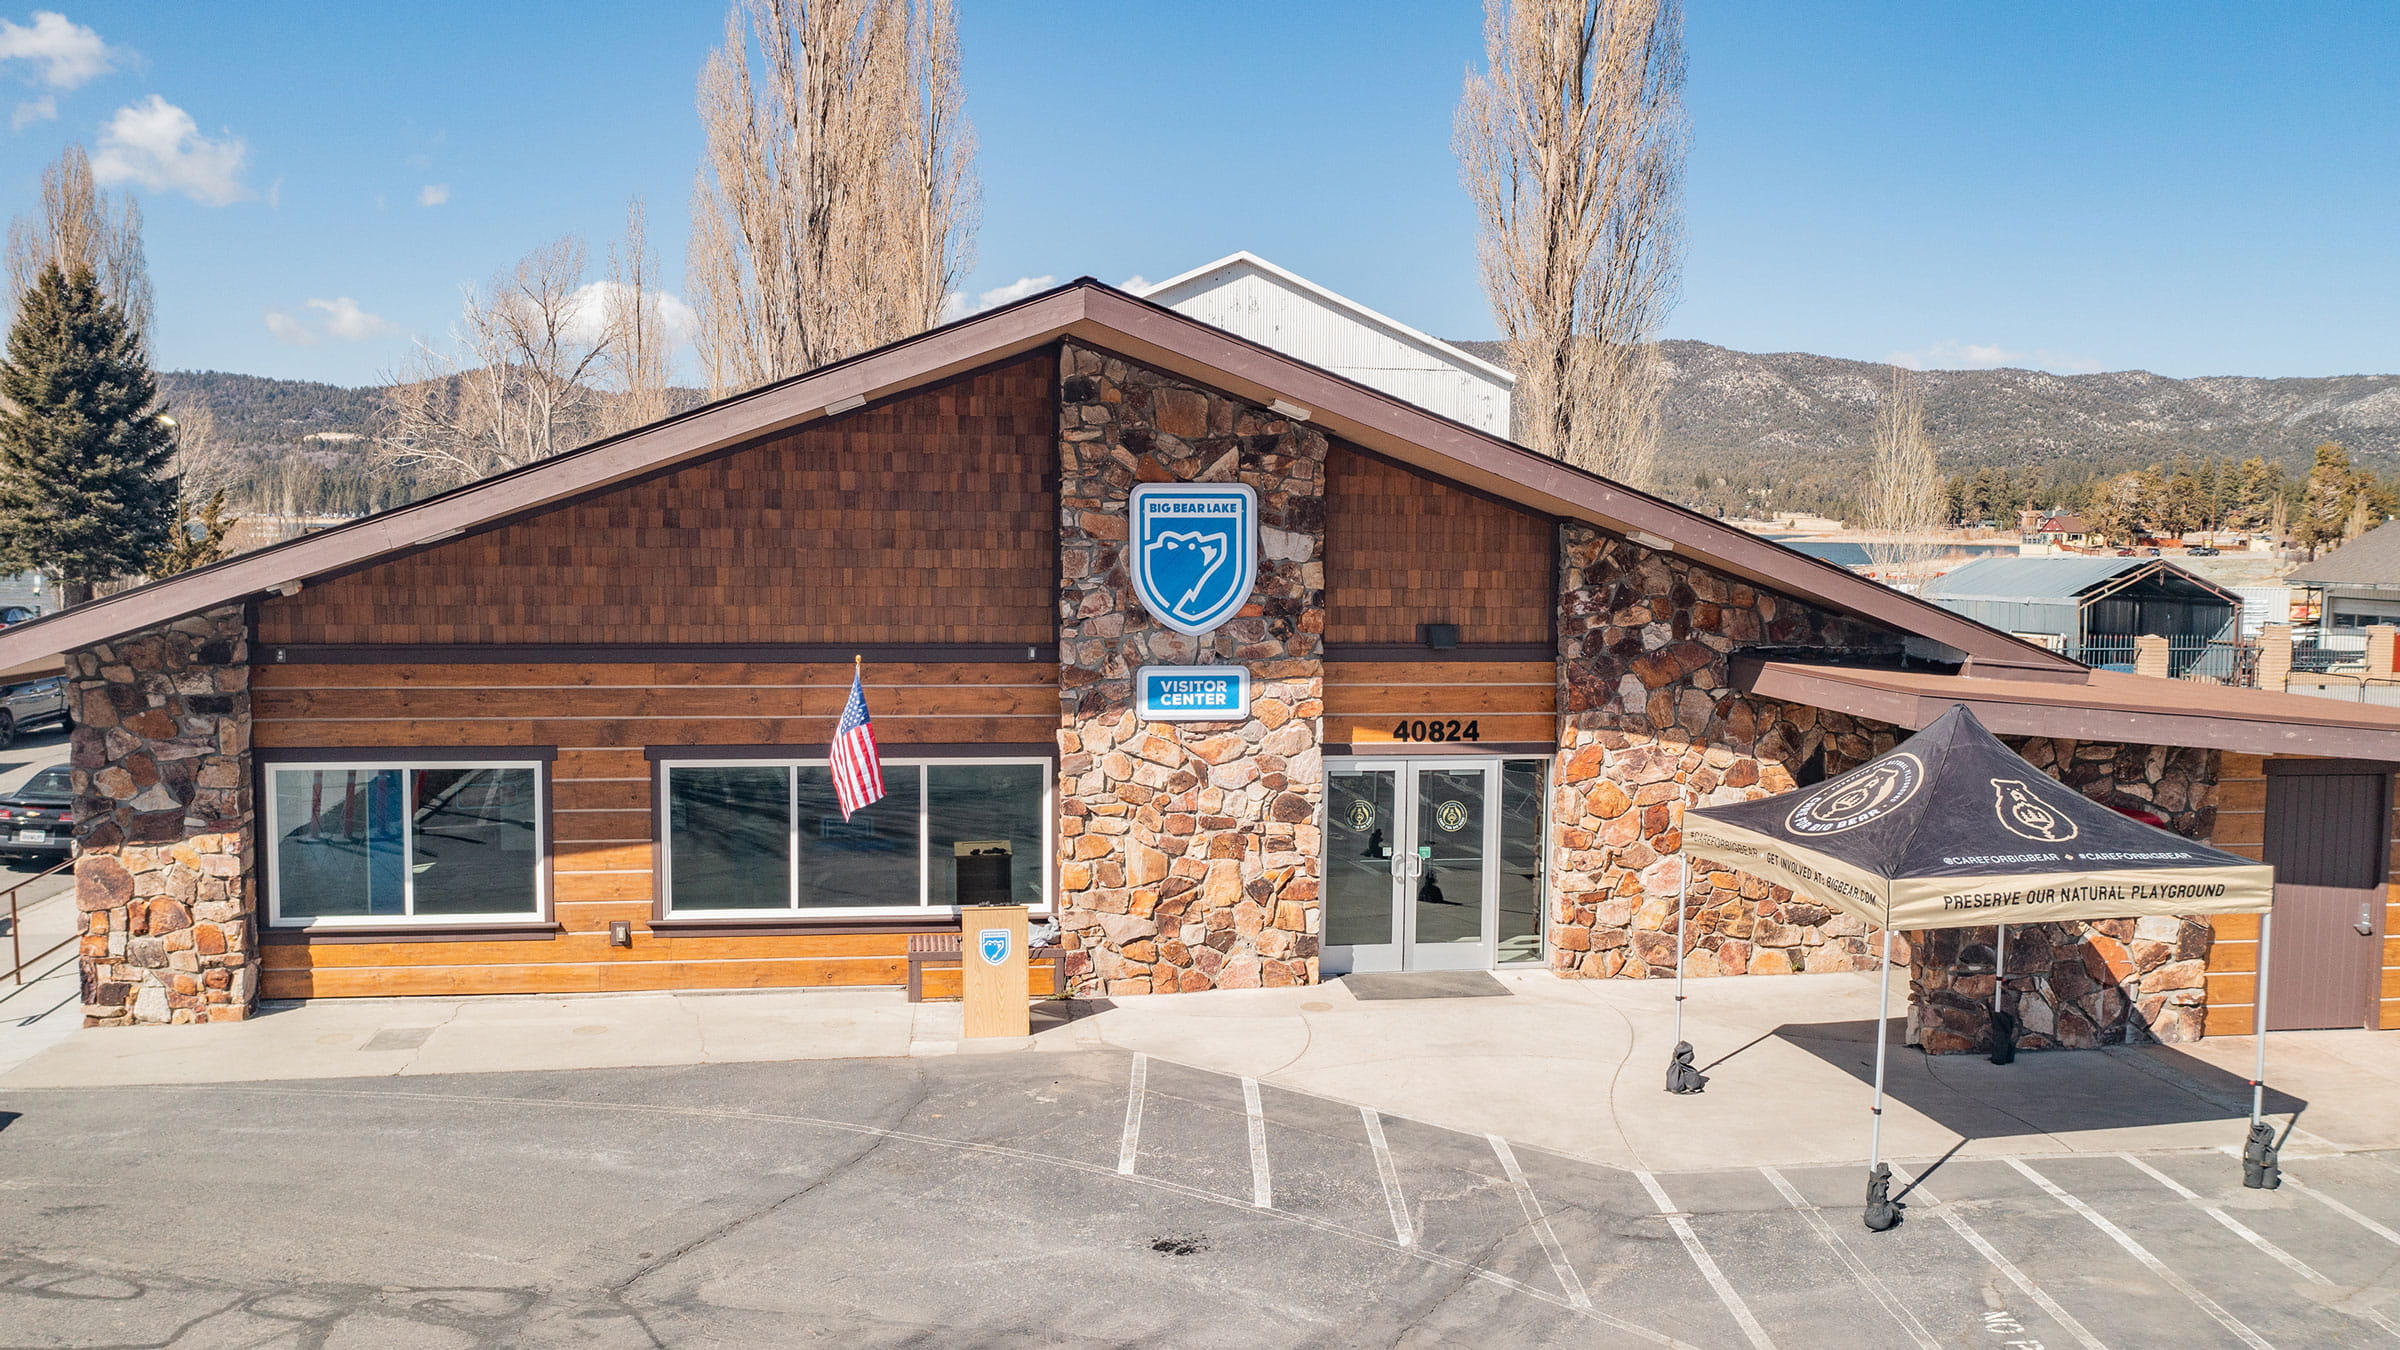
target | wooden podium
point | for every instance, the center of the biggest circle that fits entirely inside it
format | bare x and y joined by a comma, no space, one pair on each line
991,970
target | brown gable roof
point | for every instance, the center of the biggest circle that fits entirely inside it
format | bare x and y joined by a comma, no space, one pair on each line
1088,311
2372,559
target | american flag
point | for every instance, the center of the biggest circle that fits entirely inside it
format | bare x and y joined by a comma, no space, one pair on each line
857,770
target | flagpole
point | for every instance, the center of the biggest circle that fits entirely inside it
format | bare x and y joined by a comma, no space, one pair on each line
1999,966
2258,1071
1680,899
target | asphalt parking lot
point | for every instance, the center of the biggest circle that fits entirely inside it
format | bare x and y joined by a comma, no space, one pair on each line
1089,1197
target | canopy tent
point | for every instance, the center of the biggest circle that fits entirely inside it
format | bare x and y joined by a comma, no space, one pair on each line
1954,830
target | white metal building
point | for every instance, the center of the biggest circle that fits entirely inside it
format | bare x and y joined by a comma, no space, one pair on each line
1247,295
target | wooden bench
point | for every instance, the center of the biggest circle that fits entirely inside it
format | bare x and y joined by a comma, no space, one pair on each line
941,950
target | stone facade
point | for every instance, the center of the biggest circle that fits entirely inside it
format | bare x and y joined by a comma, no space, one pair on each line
2081,985
1188,852
164,823
1650,724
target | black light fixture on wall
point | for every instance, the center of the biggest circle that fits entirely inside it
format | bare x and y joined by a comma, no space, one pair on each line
1439,636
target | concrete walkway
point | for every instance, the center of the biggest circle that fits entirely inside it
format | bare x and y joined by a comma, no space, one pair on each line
1576,1067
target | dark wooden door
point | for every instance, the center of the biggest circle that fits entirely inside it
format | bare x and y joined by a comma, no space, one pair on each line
2328,836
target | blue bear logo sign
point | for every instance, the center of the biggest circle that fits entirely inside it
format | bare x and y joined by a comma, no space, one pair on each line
994,945
1193,552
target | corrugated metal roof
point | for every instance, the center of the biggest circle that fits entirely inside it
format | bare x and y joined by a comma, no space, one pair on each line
2028,578
2372,557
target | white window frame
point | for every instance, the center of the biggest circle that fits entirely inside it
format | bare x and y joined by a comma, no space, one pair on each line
538,916
794,910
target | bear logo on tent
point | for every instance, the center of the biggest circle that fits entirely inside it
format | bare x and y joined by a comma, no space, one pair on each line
2024,814
1867,795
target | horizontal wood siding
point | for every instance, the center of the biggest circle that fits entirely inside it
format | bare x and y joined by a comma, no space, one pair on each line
930,519
601,718
1402,549
2233,961
1507,700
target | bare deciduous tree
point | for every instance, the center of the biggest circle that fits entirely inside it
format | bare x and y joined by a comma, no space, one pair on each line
1903,503
78,224
522,383
635,319
1571,144
835,206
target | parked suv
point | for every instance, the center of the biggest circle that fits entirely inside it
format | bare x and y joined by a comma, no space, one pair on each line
32,703
39,817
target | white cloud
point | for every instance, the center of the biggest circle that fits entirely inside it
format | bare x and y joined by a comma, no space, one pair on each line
343,321
433,194
31,111
1137,283
1950,354
593,300
956,305
159,146
68,54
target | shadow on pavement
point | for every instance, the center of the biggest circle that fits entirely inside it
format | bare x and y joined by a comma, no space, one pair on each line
2051,1091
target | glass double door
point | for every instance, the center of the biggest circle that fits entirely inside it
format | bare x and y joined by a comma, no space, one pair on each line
1432,864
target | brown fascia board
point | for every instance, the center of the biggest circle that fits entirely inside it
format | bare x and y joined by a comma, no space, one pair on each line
1390,426
1106,318
2095,714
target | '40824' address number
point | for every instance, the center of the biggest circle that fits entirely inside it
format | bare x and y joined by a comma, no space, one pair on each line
1436,729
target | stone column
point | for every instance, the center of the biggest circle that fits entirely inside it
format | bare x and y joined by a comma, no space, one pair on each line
2152,656
2275,657
163,823
1189,853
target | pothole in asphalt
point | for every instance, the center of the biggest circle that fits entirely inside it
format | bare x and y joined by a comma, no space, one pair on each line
1180,1246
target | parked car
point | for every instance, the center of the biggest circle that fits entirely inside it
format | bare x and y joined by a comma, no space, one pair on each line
39,817
2129,553
31,704
2200,551
12,615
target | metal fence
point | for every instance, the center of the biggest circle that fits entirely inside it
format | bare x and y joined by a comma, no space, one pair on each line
2215,660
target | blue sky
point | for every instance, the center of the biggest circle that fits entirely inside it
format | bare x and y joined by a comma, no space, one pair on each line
2190,188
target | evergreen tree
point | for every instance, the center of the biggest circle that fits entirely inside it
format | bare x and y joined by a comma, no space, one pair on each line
2327,498
84,493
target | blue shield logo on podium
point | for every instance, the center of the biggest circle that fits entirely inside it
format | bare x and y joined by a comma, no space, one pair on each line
1193,552
994,945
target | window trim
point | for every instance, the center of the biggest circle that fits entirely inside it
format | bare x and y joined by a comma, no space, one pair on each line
541,919
666,759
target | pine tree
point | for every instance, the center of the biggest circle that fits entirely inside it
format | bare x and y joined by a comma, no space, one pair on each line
84,492
2327,498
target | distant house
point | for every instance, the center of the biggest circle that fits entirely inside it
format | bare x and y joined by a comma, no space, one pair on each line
2093,608
2358,584
2061,530
1247,295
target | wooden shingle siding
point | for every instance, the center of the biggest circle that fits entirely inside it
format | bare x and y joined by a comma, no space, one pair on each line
931,519
1403,549
1509,701
600,718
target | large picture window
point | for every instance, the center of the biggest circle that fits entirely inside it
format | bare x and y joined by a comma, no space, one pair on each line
362,844
751,838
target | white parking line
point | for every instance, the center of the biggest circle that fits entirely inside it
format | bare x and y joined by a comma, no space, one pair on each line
2006,1267
2243,1231
1540,1223
2345,1211
1742,1315
2142,1254
1262,1191
1131,1143
1389,1171
1858,1269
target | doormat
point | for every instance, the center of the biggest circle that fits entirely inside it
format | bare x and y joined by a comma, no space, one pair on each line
1425,984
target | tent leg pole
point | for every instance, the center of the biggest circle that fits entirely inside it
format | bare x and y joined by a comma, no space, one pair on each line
1882,1211
1999,966
1679,920
2261,1169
